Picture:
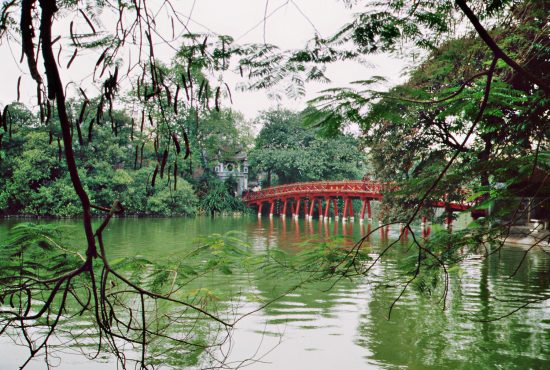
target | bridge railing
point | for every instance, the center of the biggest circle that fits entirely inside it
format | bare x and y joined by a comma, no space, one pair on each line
318,187
348,187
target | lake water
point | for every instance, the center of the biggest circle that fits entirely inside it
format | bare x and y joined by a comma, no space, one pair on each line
346,326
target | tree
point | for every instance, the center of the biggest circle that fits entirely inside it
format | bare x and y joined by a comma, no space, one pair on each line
473,114
39,283
384,26
293,152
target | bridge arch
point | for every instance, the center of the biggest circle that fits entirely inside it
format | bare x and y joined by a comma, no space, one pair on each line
327,196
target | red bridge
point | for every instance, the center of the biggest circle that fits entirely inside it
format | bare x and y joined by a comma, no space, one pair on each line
323,193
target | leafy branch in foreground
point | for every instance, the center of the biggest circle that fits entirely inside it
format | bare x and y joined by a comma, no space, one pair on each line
130,301
469,119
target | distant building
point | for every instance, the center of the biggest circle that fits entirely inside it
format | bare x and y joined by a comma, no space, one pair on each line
235,166
530,198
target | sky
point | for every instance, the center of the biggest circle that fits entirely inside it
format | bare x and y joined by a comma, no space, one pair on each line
289,24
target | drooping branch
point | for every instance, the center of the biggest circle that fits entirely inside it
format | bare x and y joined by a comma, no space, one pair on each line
27,35
497,51
56,91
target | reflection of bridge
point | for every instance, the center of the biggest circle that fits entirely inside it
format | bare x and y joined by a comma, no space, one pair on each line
323,193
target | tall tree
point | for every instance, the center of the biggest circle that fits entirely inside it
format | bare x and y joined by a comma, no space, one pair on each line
292,152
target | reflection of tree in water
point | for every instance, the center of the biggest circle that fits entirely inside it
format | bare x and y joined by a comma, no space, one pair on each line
305,304
177,337
422,336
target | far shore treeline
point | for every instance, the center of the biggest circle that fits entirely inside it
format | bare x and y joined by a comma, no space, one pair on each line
121,159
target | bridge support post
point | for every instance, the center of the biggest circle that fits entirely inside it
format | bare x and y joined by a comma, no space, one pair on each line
311,208
320,208
369,212
363,209
285,203
351,213
449,220
297,210
335,204
327,209
271,208
345,211
259,209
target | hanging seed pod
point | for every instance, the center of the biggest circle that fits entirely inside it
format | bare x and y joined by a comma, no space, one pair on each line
187,147
203,47
176,99
136,158
175,174
138,89
217,99
185,86
99,111
201,88
83,94
207,102
173,29
101,57
168,95
141,155
154,176
72,58
88,21
132,129
142,121
130,320
18,88
59,56
48,112
229,93
189,61
59,150
80,120
75,43
40,105
176,142
90,128
163,163
156,146
5,118
130,65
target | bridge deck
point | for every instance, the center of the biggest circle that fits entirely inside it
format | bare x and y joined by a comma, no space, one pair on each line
347,189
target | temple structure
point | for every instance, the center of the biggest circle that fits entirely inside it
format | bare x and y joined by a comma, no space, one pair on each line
234,166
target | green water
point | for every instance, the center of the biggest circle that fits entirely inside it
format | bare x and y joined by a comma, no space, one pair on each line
347,326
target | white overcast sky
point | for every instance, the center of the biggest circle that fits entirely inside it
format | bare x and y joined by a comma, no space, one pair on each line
292,24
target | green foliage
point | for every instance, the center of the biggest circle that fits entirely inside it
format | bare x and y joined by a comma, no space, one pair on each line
57,199
293,152
34,181
33,251
412,130
169,202
216,196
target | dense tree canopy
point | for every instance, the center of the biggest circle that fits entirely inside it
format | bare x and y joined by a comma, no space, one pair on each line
461,105
35,182
474,114
292,152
